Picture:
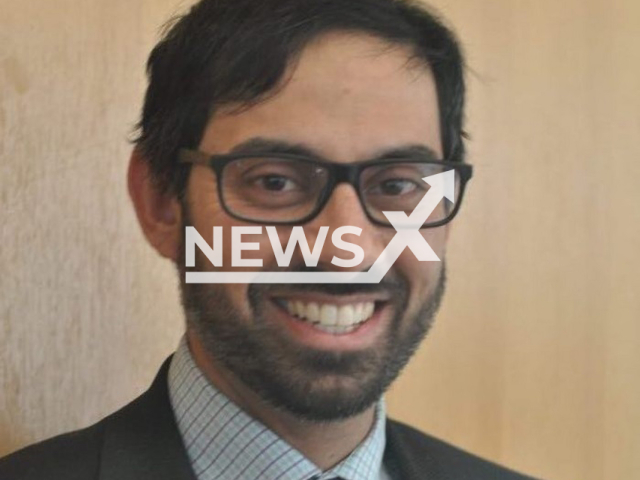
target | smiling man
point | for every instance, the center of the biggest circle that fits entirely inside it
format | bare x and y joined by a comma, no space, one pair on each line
313,113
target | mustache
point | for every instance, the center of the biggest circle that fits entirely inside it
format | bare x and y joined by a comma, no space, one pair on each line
393,284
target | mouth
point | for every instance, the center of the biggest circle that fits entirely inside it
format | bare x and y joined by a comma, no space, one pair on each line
330,317
349,321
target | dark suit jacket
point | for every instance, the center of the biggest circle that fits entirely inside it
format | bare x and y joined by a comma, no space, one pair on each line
141,442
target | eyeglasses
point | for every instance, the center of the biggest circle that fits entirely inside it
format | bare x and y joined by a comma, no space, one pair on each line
289,189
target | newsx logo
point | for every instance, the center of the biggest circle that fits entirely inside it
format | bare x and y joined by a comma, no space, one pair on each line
407,236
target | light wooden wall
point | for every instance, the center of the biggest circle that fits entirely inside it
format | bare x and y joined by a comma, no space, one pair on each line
87,311
535,358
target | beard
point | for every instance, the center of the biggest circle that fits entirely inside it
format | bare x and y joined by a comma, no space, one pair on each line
312,384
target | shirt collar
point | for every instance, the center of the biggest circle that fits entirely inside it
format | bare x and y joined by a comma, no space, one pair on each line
217,433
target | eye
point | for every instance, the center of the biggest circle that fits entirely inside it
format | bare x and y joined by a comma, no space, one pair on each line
394,186
275,183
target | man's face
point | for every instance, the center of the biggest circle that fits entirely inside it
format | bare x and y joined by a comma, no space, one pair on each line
349,98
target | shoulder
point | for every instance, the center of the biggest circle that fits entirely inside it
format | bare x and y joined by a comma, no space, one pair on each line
426,453
138,441
71,456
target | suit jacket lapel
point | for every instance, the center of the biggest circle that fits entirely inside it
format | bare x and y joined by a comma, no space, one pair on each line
404,460
142,441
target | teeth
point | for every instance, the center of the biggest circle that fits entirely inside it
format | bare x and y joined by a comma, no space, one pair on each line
368,309
346,316
311,313
359,311
329,317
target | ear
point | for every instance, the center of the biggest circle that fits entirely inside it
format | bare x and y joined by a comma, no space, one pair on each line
159,214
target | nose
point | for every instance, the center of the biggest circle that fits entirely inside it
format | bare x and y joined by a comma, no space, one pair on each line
344,209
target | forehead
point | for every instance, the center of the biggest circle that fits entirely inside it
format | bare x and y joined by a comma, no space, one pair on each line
347,97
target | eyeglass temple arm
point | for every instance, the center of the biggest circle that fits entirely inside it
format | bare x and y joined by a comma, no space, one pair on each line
192,156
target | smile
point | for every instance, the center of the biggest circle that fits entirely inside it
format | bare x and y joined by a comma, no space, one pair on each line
332,318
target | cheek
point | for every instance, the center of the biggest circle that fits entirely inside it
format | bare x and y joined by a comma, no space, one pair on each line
423,276
437,239
206,213
237,296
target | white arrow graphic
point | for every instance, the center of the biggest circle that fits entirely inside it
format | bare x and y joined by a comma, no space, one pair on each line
407,235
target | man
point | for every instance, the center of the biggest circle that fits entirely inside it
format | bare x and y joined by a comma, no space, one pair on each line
312,113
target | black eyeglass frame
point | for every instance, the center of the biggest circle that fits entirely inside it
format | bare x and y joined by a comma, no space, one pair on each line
338,173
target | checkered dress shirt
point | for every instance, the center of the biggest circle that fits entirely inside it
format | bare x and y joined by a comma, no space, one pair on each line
225,443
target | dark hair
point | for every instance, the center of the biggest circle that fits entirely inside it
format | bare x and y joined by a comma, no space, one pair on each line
237,52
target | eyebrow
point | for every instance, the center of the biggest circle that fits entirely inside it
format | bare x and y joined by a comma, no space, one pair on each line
261,145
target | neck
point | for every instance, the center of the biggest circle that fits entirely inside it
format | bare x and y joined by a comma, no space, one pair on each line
325,444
